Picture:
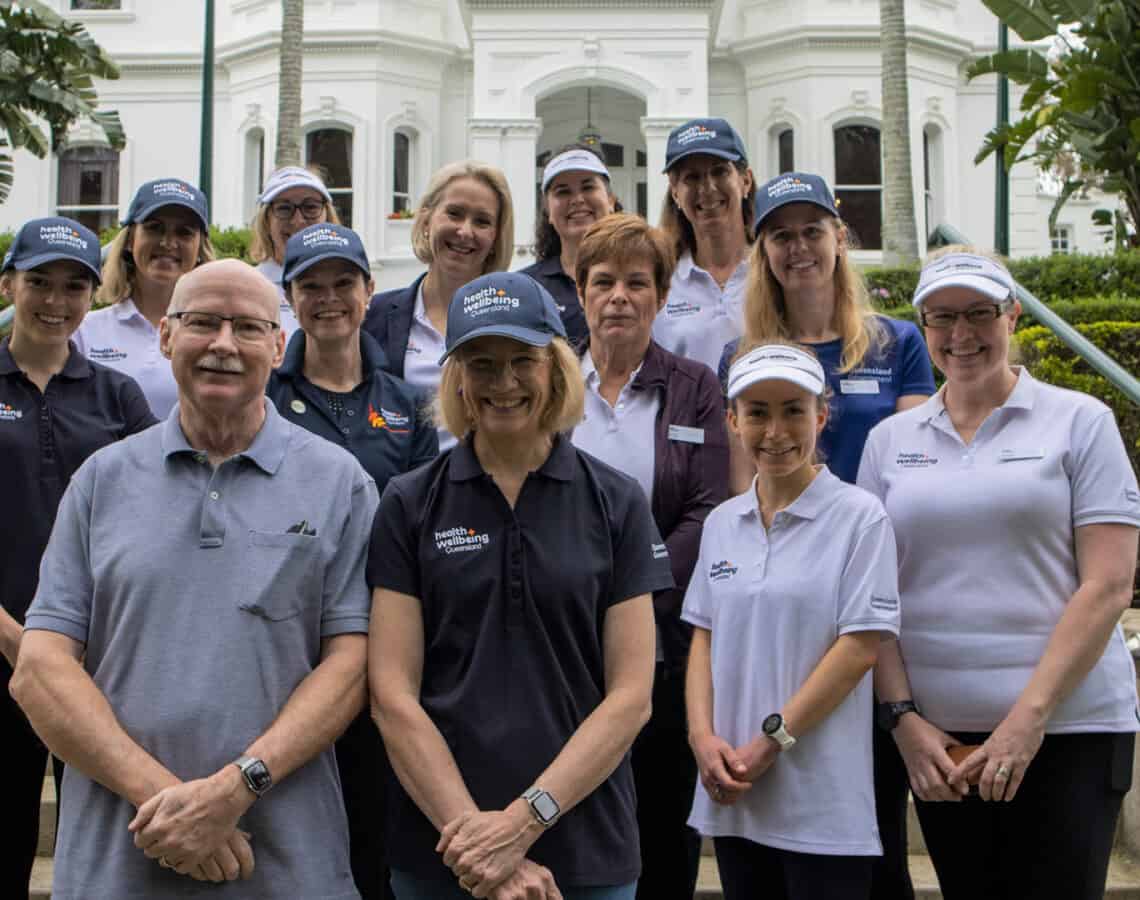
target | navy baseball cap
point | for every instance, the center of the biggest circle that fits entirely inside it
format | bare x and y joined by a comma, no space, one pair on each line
41,241
154,195
714,137
792,187
317,243
505,304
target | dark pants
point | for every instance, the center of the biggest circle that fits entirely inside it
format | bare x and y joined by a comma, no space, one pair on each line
1052,842
364,772
24,760
665,775
749,870
890,877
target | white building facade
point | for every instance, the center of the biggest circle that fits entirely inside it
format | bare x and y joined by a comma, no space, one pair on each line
395,88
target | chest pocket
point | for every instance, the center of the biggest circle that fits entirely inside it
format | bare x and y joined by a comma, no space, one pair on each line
281,574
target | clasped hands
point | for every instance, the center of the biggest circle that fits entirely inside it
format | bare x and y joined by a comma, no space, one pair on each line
727,772
487,853
191,828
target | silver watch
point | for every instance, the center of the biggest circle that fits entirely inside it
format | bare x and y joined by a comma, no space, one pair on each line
544,807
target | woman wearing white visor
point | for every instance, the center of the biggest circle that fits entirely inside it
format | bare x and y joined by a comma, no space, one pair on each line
1016,512
793,592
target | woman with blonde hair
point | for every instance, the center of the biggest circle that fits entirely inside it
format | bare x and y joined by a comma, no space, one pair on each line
464,227
167,234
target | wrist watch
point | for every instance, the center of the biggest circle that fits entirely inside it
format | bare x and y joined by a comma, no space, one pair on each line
887,715
544,807
774,727
255,773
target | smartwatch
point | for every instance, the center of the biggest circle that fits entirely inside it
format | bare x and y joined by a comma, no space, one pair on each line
887,715
774,727
544,807
255,773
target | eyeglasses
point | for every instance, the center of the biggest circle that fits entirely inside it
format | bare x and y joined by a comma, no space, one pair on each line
975,315
310,210
245,328
487,368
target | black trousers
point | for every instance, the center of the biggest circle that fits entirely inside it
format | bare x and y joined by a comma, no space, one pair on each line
749,870
665,776
1052,842
890,877
364,773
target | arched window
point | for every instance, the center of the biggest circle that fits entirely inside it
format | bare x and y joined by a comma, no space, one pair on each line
786,150
932,180
330,151
859,183
254,169
88,189
403,162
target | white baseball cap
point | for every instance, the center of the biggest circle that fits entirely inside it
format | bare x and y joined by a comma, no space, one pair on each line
967,270
776,362
573,160
291,177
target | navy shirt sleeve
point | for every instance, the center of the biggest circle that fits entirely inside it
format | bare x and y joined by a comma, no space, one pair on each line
137,415
425,437
916,375
393,560
641,559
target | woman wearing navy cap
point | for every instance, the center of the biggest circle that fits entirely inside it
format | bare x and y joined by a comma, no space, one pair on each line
576,193
167,234
708,216
464,227
56,409
803,287
511,647
332,382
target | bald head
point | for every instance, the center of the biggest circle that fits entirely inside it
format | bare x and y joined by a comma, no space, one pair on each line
230,279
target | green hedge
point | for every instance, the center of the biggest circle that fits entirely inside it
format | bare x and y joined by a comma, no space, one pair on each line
1081,310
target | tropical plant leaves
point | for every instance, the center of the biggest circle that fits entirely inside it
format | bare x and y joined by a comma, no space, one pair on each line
1031,19
1022,66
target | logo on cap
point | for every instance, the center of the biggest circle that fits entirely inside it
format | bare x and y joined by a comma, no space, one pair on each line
174,187
788,185
315,237
488,299
695,133
62,236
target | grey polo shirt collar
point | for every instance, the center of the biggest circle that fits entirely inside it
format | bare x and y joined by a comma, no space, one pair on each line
559,464
267,450
75,368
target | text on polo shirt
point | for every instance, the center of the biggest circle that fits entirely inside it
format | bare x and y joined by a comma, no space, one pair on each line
915,460
460,540
395,422
722,571
9,414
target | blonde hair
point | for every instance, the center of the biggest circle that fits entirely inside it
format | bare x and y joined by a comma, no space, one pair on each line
119,267
499,259
766,312
563,408
624,237
261,244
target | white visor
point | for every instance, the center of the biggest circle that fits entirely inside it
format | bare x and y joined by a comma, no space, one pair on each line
292,177
573,161
776,362
965,270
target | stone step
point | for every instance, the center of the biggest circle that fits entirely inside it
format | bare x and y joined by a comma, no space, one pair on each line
46,845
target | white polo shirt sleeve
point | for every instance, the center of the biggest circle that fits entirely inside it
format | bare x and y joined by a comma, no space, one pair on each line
1103,484
869,465
869,587
697,609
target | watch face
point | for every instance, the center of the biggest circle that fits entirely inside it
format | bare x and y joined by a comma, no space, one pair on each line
545,806
258,776
772,723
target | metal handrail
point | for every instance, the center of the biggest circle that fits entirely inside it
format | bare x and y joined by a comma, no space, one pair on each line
7,314
1115,373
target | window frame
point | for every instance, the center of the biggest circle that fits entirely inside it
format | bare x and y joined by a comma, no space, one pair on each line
74,210
335,192
849,188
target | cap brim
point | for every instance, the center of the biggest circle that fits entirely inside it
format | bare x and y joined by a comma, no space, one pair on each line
785,201
986,286
798,377
154,207
526,335
705,151
43,258
303,266
270,195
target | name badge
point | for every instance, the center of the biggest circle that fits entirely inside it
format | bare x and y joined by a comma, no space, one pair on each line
686,434
1011,455
858,386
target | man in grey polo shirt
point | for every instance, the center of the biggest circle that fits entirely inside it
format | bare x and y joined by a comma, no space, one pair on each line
199,632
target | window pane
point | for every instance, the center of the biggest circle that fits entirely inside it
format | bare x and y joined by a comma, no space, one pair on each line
857,157
96,4
614,155
863,213
543,158
642,200
400,176
787,141
343,203
926,160
331,150
96,220
642,159
88,176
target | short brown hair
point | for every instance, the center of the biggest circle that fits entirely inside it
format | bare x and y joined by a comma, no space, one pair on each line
499,259
623,236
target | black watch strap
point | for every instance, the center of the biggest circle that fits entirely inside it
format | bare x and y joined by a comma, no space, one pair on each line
887,715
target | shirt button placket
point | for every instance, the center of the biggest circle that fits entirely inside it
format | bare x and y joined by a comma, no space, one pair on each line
515,562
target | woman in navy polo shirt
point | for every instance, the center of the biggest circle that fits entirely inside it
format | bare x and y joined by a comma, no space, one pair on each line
660,419
56,409
167,234
576,193
511,648
332,382
464,227
779,680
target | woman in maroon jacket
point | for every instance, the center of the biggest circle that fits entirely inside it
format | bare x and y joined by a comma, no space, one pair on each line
640,397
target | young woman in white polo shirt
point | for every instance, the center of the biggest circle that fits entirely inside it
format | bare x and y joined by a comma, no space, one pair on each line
1016,512
793,592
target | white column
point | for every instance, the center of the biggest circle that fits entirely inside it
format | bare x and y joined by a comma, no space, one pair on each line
511,144
656,131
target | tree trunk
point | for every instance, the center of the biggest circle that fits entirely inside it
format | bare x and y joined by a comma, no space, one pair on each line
289,84
900,244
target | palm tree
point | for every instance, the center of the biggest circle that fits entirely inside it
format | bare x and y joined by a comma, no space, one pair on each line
900,244
289,84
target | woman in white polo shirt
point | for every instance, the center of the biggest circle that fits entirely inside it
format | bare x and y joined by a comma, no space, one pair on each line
1016,512
793,592
167,234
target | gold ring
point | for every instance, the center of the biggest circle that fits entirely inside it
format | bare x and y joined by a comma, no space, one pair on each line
467,887
1002,772
164,862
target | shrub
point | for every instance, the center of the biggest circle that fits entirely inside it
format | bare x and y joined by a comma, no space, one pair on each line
1081,310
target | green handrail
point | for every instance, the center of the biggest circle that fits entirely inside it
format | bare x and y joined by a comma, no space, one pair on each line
1120,378
7,314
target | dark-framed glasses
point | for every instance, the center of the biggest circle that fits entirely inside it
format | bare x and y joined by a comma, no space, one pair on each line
245,328
982,314
310,209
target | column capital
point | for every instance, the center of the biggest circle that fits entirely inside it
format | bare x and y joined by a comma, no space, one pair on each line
511,128
660,126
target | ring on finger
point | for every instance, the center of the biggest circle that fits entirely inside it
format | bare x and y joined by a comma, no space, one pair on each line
466,886
165,863
1002,771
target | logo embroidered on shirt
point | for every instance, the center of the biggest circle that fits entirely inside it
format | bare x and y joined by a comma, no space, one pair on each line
387,420
9,414
1131,496
660,551
921,460
106,354
460,540
890,604
302,527
681,309
722,571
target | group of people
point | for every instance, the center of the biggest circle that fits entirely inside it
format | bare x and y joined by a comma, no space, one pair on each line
515,584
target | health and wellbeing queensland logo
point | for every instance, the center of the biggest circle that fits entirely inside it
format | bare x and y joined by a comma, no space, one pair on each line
722,571
9,414
694,134
323,237
386,420
789,184
915,460
488,299
460,540
62,236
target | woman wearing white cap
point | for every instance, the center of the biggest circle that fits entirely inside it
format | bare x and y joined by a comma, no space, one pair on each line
167,234
1016,512
576,193
293,199
779,685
